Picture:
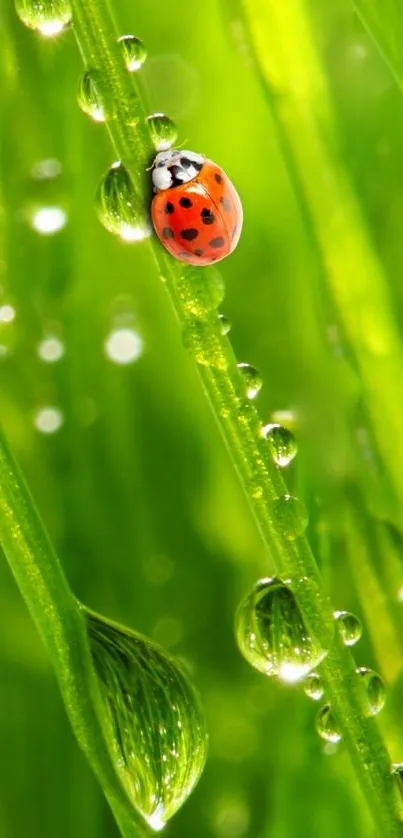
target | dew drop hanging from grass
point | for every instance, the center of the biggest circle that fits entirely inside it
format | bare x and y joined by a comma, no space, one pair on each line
163,131
252,380
133,51
282,442
155,716
118,206
273,635
349,626
94,98
375,690
48,17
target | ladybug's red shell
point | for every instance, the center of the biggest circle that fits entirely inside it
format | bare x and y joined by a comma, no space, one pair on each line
200,220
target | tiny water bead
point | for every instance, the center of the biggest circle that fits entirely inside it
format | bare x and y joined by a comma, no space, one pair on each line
374,688
134,52
290,516
50,349
119,208
397,772
155,717
48,420
326,725
123,346
313,687
94,98
163,131
225,324
252,380
282,442
48,17
273,635
349,626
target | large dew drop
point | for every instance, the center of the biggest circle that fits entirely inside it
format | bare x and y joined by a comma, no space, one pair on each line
163,131
273,635
48,17
349,626
282,442
252,380
94,98
327,726
156,719
118,206
133,51
374,690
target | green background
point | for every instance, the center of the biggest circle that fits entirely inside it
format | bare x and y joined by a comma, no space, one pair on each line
135,488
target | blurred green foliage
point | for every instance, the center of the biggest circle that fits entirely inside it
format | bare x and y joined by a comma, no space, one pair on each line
135,487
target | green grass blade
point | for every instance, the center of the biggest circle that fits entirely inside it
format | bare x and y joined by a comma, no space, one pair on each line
384,22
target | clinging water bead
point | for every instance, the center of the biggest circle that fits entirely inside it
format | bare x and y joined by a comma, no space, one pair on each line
283,443
374,690
327,726
48,17
134,52
196,211
349,626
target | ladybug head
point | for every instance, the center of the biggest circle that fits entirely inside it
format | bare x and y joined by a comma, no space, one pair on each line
172,168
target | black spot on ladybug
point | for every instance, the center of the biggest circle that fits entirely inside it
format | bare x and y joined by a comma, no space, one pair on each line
198,252
169,208
217,242
167,233
208,217
218,178
185,202
225,203
189,234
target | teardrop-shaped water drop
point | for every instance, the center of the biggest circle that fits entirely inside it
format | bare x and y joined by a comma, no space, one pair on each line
290,516
118,206
133,51
313,686
156,719
273,635
225,324
94,98
283,444
349,626
326,725
48,17
163,131
374,689
252,380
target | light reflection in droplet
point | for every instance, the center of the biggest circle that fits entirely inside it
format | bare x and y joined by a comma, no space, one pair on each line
155,820
129,233
51,28
7,314
48,420
51,349
48,220
123,346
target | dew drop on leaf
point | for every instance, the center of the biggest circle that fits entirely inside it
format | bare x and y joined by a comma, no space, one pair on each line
273,635
252,380
349,626
48,17
282,442
225,324
133,51
313,686
94,98
155,716
163,131
327,726
374,689
118,206
290,516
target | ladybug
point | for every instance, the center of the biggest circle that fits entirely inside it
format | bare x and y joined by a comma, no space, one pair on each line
196,211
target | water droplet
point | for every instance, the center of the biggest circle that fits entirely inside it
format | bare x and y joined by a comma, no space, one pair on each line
200,291
273,635
50,349
94,98
225,324
7,313
326,725
196,338
397,772
123,346
252,380
118,206
290,516
48,17
283,444
48,420
134,52
48,220
313,686
155,717
349,626
374,688
163,131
